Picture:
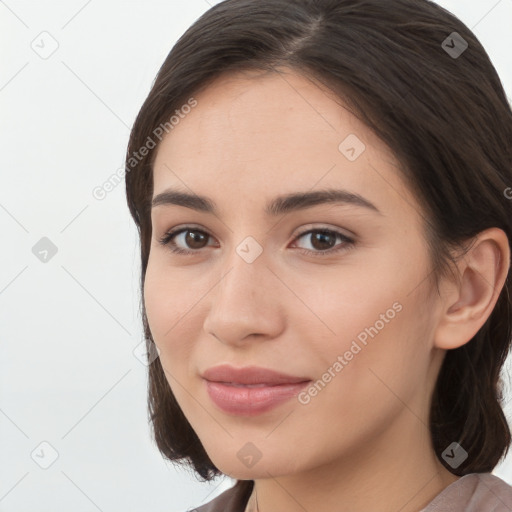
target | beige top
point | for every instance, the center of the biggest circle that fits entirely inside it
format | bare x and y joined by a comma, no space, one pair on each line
475,492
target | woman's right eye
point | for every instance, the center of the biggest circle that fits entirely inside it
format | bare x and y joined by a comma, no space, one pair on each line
198,235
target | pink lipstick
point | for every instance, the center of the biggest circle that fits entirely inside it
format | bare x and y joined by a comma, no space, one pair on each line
250,390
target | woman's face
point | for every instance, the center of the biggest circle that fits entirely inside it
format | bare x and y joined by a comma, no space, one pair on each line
357,321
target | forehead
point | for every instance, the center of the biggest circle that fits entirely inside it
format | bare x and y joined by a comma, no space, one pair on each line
274,132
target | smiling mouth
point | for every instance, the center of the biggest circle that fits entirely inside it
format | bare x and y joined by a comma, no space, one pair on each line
251,399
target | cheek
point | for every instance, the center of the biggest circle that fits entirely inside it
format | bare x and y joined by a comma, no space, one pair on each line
367,321
349,303
175,312
166,306
155,302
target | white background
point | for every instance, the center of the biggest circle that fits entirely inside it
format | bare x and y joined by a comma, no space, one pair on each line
68,375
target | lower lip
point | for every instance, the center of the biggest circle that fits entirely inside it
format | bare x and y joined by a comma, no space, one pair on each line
248,401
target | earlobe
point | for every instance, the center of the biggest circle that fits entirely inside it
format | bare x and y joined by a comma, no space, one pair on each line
468,303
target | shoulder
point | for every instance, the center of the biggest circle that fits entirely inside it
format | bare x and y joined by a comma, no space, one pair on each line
232,500
492,491
474,492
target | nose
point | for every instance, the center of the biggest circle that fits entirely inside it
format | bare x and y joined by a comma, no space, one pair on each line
245,302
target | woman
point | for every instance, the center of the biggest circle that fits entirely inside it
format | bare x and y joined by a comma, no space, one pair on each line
322,190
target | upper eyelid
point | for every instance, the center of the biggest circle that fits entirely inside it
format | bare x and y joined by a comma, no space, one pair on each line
298,232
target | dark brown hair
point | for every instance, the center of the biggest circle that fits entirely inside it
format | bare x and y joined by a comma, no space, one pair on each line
446,118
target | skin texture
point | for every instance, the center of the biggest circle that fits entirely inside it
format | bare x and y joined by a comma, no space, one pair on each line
362,443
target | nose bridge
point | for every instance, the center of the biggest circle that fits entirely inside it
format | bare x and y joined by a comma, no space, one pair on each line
240,303
244,277
246,262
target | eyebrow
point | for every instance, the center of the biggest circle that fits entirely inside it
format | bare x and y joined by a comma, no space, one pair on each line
277,206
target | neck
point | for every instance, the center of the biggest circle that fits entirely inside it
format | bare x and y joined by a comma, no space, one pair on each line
398,472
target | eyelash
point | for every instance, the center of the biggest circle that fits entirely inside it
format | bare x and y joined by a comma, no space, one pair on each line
167,240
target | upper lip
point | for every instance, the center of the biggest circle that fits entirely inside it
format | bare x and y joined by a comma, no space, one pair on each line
249,375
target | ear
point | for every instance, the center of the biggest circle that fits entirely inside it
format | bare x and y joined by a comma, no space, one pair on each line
467,305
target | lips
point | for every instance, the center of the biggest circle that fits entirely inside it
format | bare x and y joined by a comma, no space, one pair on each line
250,376
251,390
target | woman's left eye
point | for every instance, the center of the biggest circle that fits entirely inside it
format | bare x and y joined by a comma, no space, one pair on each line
322,238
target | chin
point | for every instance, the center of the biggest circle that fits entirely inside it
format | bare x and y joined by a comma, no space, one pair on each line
264,467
